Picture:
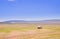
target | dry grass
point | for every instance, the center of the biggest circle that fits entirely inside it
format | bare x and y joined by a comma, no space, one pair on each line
29,31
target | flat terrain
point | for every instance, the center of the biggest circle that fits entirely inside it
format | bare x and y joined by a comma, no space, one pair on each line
29,31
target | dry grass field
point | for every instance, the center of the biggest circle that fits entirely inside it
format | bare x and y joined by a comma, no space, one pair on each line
29,31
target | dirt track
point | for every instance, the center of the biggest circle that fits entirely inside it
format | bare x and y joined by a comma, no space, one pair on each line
31,34
16,34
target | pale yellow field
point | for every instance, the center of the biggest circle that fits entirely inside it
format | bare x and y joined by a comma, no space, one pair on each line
29,31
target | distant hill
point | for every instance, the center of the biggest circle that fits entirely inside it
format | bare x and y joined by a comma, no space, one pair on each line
12,21
51,21
23,21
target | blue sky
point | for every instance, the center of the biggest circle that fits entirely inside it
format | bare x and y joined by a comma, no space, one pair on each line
29,9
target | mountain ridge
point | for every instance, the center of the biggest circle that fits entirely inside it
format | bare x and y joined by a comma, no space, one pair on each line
24,21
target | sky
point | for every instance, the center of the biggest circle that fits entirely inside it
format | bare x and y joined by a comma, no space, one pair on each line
29,9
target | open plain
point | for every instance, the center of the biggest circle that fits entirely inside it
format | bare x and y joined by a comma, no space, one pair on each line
29,31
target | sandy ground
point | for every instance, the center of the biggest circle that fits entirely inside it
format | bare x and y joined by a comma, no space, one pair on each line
15,34
31,34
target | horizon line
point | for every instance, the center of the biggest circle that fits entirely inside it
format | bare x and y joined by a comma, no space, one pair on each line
26,19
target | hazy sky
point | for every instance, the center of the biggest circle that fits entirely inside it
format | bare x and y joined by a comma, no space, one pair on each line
29,9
